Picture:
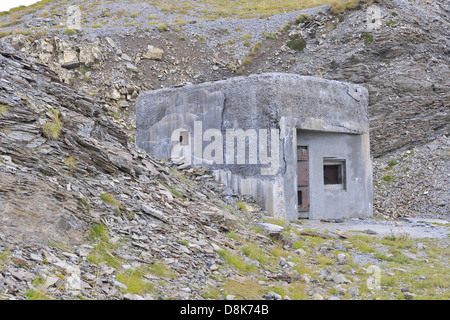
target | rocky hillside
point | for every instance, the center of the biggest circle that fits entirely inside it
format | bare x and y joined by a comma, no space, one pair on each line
85,214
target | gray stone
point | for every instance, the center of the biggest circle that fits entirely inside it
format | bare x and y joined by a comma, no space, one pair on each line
317,296
353,291
273,296
342,258
154,54
132,67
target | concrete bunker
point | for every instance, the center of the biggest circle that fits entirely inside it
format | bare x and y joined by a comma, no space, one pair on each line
299,145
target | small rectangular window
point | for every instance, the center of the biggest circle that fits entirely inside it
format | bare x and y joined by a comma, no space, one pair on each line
333,173
184,138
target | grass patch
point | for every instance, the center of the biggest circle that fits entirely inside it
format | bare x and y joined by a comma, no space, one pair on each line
109,199
300,244
36,295
175,192
391,23
253,252
285,28
242,206
302,268
52,130
247,61
401,241
85,203
279,252
301,19
295,291
368,38
268,35
161,270
70,32
5,33
399,258
135,281
162,27
392,162
339,6
387,178
234,235
363,243
247,290
4,257
71,163
236,262
4,109
103,248
278,222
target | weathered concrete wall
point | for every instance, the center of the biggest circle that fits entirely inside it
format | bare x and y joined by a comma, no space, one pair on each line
356,199
266,101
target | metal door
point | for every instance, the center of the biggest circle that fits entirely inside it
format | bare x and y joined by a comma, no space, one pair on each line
303,181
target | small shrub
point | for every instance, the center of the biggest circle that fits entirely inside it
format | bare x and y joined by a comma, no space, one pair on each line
333,65
233,235
70,32
297,42
286,27
70,162
246,61
390,23
241,204
392,162
98,231
368,37
85,203
301,19
109,199
257,46
388,178
162,27
51,130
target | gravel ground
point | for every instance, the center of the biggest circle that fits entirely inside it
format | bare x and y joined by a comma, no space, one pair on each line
414,182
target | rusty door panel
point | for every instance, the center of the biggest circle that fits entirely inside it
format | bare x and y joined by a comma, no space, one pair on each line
302,173
303,181
303,194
